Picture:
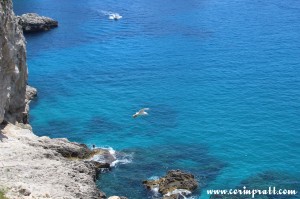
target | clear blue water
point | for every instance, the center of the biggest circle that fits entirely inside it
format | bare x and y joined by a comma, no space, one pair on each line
222,80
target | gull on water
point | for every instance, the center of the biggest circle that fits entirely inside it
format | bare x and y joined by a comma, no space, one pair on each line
141,112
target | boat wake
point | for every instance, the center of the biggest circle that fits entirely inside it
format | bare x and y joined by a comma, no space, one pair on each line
111,15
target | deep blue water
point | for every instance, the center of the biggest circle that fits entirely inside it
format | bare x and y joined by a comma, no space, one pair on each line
222,80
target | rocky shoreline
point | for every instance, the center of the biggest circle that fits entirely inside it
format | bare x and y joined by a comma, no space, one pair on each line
41,167
32,166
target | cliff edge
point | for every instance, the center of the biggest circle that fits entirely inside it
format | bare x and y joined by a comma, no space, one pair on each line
13,68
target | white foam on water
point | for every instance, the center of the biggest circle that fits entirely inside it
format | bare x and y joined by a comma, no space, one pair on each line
153,178
155,192
120,158
120,161
111,15
193,197
182,192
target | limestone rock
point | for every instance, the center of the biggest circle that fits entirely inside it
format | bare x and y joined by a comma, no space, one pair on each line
30,93
66,149
13,68
35,167
101,165
32,22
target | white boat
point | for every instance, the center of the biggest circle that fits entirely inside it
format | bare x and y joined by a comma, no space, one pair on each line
114,16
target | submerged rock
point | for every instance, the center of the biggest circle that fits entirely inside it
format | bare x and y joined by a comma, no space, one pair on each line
174,185
32,22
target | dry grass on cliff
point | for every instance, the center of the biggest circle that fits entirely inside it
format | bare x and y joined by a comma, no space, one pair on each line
2,195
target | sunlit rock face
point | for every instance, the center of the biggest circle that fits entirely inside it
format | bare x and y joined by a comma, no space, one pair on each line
13,68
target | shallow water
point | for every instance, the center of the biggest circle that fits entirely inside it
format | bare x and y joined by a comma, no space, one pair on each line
221,79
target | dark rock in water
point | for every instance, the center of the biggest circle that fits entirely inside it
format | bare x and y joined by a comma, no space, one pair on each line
174,180
103,155
32,22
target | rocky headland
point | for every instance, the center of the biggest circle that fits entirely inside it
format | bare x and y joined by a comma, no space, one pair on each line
32,22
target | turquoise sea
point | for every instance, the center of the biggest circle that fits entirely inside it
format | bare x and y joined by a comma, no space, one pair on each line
221,79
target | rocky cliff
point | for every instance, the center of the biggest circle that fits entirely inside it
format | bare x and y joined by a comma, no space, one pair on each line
13,69
32,166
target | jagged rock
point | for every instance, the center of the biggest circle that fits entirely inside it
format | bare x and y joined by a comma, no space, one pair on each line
70,149
38,164
103,155
32,22
30,93
100,165
13,68
174,180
